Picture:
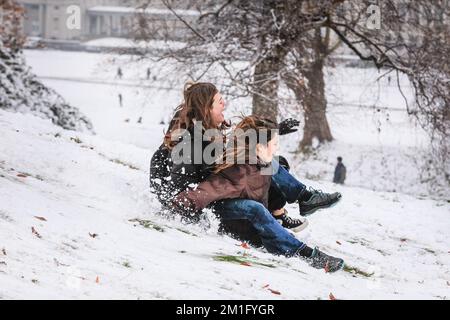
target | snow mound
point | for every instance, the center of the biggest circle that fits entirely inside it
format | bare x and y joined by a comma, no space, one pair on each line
21,91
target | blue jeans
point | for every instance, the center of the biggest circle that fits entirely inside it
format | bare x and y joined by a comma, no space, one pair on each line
285,183
274,237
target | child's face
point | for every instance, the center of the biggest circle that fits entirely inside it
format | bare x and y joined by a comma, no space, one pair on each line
267,152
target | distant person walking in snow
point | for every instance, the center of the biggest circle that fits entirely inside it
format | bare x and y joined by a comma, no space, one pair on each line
119,73
339,172
120,100
148,73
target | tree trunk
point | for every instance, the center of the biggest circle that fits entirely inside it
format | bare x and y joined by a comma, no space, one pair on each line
266,82
314,99
315,105
267,71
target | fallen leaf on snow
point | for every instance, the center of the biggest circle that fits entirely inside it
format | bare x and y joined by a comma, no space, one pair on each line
33,230
93,235
97,280
243,245
21,175
247,264
40,218
275,291
332,297
4,251
338,243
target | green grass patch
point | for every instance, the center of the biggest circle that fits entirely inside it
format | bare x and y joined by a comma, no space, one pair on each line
148,224
186,232
123,163
357,271
241,260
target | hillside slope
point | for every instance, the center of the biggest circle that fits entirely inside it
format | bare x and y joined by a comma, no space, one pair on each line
88,189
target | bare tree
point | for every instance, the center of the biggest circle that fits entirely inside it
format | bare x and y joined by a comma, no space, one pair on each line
414,40
306,80
271,39
259,33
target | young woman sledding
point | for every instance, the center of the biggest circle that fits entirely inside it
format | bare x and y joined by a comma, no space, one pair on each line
204,103
239,187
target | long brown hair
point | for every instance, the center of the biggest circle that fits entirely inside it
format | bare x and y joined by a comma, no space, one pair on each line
236,150
196,106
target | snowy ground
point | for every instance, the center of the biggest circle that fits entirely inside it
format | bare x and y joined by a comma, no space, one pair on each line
88,188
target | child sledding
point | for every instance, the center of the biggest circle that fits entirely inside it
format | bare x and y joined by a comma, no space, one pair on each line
245,193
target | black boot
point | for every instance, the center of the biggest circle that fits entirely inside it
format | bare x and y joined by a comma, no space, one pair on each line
317,200
296,225
320,260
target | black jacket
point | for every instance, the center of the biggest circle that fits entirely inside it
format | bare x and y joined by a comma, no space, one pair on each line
340,173
160,167
167,178
189,173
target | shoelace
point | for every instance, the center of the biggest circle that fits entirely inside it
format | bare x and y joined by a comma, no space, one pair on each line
291,220
318,192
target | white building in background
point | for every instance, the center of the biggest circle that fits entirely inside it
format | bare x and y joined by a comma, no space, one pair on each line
47,19
118,21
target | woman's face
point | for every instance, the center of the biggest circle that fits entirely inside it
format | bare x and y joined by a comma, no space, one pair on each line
218,107
267,152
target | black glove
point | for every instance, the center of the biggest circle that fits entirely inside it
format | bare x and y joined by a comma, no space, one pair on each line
288,126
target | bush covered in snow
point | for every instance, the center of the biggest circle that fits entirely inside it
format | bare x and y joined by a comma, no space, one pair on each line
21,91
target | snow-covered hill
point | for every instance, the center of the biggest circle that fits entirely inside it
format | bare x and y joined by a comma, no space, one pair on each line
76,221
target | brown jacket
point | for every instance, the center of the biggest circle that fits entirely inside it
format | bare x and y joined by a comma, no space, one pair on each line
237,182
